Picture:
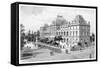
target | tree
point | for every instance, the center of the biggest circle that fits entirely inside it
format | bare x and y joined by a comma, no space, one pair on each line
80,44
33,37
86,44
22,28
92,37
38,35
22,34
30,36
59,38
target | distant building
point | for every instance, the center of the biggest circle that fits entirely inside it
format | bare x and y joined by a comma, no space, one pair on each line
72,32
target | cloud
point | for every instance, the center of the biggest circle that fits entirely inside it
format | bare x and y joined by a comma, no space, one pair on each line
32,10
35,16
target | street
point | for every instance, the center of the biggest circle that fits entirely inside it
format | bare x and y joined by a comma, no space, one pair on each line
43,54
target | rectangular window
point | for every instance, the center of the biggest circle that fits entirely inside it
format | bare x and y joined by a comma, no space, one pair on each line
73,33
64,33
67,33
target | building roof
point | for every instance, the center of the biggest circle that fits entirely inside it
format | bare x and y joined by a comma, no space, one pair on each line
60,20
79,20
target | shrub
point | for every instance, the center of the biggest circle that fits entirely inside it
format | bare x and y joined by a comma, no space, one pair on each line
75,48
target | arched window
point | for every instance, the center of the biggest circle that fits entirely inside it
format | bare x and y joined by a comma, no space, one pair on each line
61,33
67,39
84,33
73,33
64,39
81,39
67,33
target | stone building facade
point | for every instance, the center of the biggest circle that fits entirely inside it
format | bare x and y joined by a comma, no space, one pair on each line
78,30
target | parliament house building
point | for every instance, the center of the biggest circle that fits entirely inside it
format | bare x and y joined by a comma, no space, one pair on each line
77,30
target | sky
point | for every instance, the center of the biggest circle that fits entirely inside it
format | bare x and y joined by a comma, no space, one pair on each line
35,16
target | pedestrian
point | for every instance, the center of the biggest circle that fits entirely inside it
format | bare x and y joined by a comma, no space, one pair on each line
90,55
